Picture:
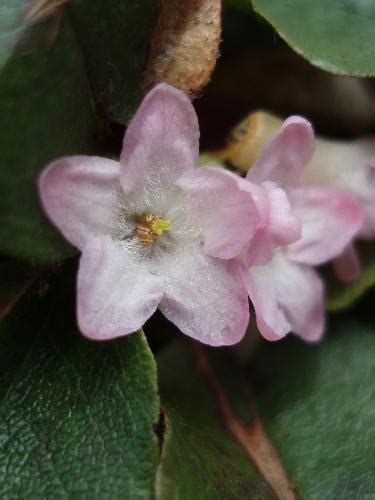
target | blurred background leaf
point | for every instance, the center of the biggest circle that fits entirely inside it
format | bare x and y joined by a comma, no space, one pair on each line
317,405
45,112
77,417
201,457
114,37
340,295
12,27
313,403
336,36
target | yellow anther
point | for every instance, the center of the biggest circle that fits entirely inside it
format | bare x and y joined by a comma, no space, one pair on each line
149,227
160,225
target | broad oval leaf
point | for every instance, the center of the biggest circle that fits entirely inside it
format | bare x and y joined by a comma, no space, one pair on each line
312,403
76,417
114,37
336,35
317,405
203,456
45,112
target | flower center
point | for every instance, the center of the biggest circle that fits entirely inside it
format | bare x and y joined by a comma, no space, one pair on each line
149,227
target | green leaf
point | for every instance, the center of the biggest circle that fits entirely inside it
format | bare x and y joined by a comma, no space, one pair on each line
46,108
336,35
341,296
317,405
201,458
76,417
11,27
314,403
115,38
45,112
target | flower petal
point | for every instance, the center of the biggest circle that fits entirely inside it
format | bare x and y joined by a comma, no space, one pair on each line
263,292
287,296
277,224
227,214
205,298
161,141
283,159
330,220
78,194
115,295
349,167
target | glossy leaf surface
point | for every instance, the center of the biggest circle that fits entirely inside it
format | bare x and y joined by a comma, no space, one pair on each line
337,36
77,417
45,112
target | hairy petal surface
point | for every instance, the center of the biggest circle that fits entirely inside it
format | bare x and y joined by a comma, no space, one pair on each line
161,141
330,220
78,194
283,159
227,214
205,298
287,296
116,295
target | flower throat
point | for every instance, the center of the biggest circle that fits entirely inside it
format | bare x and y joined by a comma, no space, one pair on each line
149,227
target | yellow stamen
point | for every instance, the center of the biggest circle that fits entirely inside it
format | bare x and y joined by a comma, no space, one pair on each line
160,225
150,226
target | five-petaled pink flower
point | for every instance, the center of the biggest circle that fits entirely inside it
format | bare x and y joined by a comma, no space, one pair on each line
155,231
287,292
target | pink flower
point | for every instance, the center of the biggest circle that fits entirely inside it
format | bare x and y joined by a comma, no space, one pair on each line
350,167
287,292
154,231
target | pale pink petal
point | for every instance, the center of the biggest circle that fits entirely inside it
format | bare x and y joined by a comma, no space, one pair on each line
348,166
277,224
161,141
205,298
283,225
330,220
115,294
347,265
301,293
283,159
78,194
226,213
264,295
287,296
